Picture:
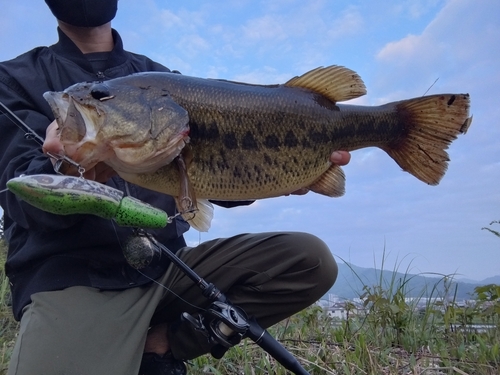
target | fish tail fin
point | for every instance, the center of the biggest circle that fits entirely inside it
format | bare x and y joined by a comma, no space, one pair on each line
432,122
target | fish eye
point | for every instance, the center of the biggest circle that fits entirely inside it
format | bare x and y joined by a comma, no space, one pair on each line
100,91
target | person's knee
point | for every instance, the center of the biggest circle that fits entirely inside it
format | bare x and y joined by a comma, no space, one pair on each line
317,257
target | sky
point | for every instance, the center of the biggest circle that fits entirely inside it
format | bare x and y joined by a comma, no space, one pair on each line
401,49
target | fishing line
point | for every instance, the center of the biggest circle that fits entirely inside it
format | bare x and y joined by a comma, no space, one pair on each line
431,86
171,291
151,279
30,134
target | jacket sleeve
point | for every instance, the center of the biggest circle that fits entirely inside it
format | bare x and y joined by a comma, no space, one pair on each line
231,204
22,155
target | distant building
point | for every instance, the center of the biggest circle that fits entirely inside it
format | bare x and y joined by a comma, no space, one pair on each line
337,310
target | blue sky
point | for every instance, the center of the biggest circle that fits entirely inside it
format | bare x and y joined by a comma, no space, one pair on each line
399,48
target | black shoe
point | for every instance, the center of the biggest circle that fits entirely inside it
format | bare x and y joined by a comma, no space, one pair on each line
155,364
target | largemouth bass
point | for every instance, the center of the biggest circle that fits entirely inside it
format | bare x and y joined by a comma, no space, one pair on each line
199,139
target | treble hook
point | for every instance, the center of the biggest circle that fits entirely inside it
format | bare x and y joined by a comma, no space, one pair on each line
61,159
170,219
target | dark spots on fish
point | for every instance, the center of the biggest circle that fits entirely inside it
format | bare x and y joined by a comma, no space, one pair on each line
325,102
290,139
194,130
248,142
230,141
208,132
269,178
248,172
259,128
451,100
305,143
318,137
212,132
268,160
210,164
222,163
237,173
272,142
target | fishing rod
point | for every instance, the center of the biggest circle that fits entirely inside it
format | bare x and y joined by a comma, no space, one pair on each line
31,134
223,324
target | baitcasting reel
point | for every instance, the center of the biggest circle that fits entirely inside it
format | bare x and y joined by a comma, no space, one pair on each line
223,324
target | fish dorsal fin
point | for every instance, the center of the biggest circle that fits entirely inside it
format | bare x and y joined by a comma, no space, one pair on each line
331,183
337,83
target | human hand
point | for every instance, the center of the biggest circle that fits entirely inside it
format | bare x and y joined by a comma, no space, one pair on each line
53,146
337,157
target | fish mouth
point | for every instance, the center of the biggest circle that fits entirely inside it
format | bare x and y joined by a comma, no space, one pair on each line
77,128
82,133
59,103
71,121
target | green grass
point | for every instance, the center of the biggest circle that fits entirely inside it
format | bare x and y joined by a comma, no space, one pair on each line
8,326
390,337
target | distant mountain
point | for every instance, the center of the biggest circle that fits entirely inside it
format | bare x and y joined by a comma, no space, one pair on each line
352,279
489,280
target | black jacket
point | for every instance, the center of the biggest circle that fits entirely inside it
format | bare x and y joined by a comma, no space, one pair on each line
49,252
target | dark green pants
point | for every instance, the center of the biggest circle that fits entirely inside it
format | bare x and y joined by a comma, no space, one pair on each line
82,330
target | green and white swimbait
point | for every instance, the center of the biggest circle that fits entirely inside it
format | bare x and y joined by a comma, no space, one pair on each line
67,195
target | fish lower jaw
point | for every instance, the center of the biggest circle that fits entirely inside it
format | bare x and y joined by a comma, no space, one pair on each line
142,160
87,153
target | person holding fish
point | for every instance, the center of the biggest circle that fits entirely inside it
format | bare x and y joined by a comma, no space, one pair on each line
82,308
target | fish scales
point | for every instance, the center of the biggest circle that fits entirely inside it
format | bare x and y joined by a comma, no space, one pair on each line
198,139
252,142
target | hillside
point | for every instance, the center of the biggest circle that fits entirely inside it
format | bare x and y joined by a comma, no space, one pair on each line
352,279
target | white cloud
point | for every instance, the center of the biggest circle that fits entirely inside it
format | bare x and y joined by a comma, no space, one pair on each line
449,45
350,22
169,20
265,28
25,25
193,45
399,47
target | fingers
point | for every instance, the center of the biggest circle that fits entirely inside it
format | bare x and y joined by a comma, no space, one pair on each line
101,172
52,144
340,157
337,157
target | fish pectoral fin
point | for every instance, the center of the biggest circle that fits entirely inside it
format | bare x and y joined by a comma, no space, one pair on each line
331,183
337,83
201,216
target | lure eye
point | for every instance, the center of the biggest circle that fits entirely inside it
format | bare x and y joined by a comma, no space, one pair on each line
100,92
